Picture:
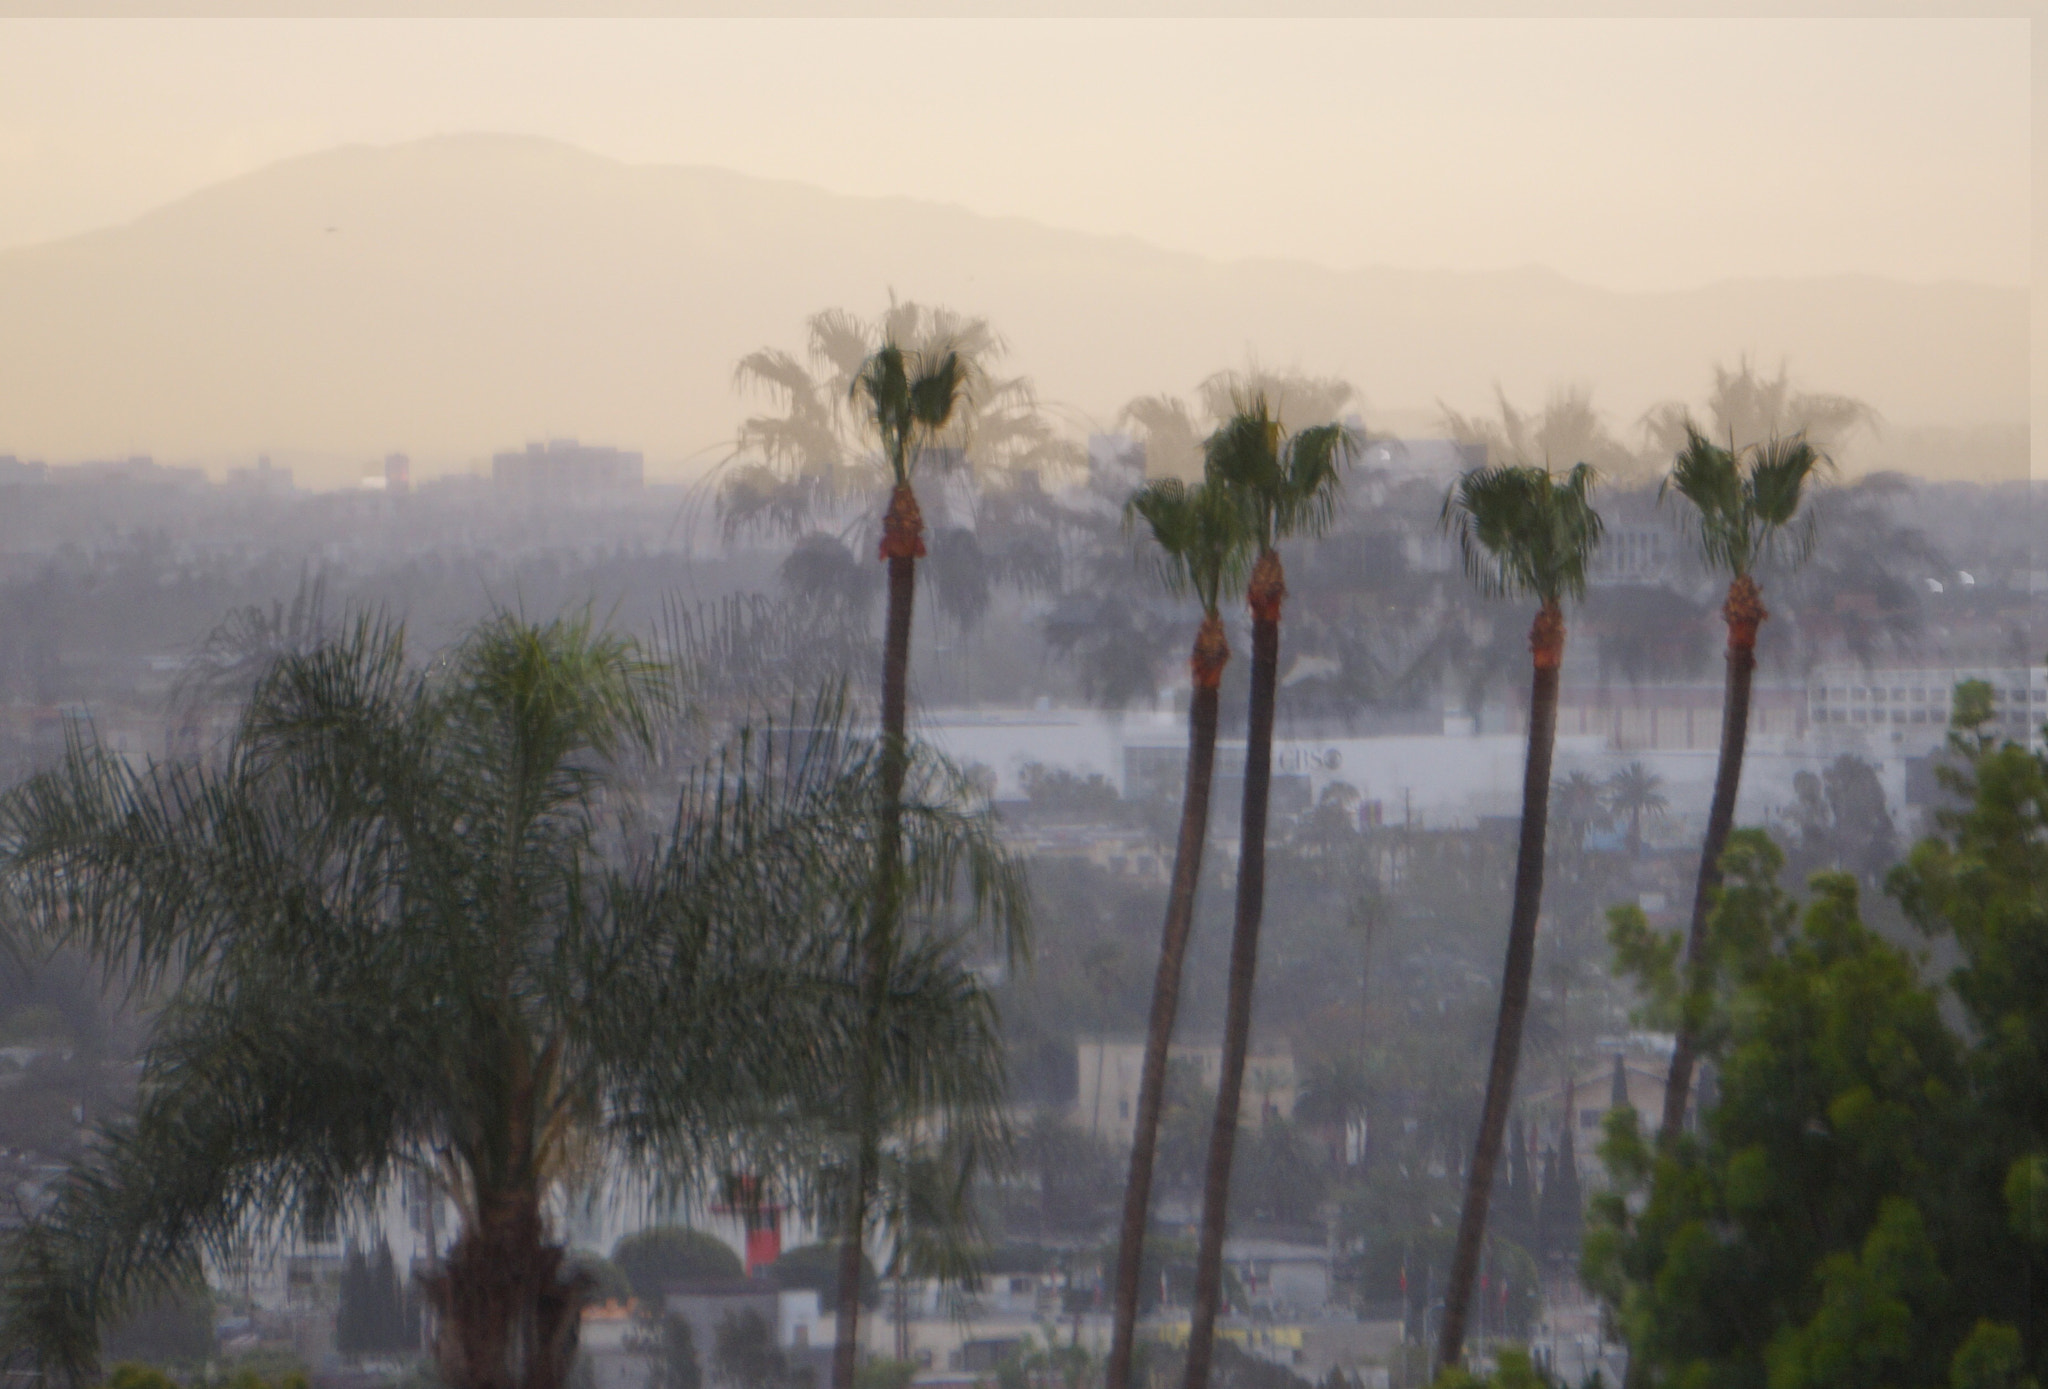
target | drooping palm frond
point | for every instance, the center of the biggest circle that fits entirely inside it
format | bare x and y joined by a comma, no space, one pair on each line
398,927
1285,484
1525,530
1745,502
1203,546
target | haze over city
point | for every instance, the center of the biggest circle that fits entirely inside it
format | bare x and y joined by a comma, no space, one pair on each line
975,703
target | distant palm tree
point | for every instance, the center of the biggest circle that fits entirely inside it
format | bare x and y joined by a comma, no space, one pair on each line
907,395
1744,505
1576,802
1746,407
1202,544
1526,531
1635,791
1283,485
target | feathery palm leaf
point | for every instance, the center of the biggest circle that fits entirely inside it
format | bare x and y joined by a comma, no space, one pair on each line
408,923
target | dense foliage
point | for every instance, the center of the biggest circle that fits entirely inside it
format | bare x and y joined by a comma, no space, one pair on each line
1865,1203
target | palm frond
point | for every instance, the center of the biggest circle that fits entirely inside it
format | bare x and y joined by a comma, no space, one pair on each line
1524,530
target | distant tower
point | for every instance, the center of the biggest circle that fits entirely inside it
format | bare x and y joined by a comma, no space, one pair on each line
397,473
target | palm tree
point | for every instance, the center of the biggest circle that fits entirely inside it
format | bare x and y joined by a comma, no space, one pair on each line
907,396
1635,791
1744,506
1202,544
1577,803
1283,485
1524,531
410,922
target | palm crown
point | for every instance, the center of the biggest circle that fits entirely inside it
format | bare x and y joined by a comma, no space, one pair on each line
1525,530
908,396
1283,484
1201,535
1745,501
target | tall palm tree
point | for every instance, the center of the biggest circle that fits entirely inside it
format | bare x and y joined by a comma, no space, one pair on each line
411,922
907,396
1744,508
1282,485
1635,792
1526,531
1202,544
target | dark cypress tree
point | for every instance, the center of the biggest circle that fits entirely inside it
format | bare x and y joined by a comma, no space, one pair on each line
1564,1206
354,1317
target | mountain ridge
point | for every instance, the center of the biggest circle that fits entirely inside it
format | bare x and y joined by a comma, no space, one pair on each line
541,288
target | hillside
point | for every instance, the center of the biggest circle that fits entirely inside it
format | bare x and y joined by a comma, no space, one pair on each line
456,295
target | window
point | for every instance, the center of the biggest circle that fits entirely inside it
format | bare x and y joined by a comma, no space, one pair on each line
1899,693
1877,696
1920,696
1589,1118
1123,1109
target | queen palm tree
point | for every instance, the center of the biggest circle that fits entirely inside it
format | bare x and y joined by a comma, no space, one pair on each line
1526,531
1744,509
1635,792
1282,485
411,922
1202,543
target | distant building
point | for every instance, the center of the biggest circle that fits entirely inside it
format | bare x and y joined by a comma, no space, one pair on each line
565,467
397,473
137,468
1109,1070
15,470
264,478
1904,710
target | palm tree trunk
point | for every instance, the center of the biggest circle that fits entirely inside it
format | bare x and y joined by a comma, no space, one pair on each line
505,1318
1743,611
902,543
1265,592
1546,644
1206,664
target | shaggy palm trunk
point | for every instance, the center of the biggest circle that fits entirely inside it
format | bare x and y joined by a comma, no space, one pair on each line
902,544
1546,646
1267,589
1743,612
1206,667
505,1317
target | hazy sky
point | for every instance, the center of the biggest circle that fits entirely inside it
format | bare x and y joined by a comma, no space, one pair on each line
1633,154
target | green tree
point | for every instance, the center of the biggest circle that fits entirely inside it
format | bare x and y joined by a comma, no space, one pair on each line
1809,1235
398,925
1743,505
1522,530
1282,484
653,1258
1202,545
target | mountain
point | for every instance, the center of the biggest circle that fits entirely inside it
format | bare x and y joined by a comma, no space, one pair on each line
456,295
